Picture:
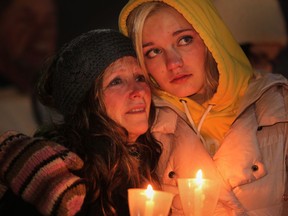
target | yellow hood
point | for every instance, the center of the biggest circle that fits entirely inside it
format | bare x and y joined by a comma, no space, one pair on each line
234,68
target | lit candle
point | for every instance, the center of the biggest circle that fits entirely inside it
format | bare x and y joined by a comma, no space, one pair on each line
198,194
149,204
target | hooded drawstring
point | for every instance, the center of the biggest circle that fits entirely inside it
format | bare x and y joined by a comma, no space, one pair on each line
198,129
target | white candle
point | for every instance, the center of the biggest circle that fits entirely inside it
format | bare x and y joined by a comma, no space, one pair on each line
198,194
149,204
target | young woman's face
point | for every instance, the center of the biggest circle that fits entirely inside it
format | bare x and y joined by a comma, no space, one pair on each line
127,96
174,54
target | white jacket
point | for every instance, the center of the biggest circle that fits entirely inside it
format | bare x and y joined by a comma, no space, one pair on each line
251,158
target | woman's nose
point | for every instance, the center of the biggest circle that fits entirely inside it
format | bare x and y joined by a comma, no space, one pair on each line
137,90
173,59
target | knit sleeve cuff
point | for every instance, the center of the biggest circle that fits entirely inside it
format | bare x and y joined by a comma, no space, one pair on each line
36,170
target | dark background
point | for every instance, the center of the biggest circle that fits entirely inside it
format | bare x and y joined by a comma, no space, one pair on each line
77,16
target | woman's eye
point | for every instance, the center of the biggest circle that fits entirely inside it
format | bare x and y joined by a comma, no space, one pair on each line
185,40
140,78
115,82
152,53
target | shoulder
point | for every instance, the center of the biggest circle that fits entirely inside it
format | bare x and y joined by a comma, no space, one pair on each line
168,118
171,128
263,81
268,91
273,99
165,120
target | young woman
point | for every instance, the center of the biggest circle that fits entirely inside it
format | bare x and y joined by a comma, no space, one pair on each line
239,116
97,85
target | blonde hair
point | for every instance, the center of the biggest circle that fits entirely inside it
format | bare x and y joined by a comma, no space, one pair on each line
135,23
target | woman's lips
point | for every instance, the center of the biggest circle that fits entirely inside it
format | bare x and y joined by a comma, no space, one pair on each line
180,79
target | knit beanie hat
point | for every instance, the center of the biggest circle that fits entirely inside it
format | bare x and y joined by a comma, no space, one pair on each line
81,61
257,21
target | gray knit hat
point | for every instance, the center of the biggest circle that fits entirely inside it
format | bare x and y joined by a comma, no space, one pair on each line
81,61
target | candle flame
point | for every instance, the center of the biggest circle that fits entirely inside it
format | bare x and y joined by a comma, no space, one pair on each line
199,179
149,192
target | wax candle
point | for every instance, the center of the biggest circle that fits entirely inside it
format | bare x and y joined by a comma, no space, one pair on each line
149,204
198,194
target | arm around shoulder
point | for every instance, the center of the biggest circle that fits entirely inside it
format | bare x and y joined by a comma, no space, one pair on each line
40,172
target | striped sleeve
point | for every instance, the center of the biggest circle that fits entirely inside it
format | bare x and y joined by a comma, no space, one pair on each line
36,170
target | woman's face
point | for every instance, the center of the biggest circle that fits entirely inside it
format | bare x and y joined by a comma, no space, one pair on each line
174,54
127,96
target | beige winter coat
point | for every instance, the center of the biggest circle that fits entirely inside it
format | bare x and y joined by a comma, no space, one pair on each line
251,158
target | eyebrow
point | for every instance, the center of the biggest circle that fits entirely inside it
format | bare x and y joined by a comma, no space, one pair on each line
147,44
183,30
174,34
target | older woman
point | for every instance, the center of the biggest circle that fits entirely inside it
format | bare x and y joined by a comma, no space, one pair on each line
97,85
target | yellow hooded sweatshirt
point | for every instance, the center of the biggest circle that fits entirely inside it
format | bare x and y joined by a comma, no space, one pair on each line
234,68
